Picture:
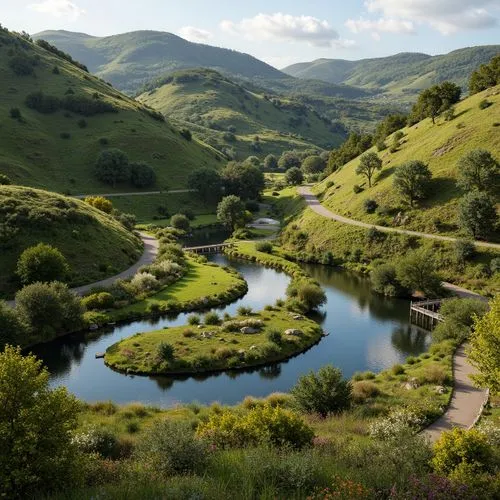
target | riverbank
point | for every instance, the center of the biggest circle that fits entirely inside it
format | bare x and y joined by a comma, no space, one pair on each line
239,342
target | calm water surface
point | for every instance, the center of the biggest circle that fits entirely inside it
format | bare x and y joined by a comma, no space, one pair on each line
367,332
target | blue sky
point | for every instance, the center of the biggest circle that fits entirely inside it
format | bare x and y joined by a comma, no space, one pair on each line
279,32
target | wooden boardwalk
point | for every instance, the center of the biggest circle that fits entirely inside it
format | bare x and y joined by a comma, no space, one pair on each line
425,313
219,247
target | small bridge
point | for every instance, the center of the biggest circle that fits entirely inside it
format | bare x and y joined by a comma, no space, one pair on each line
219,247
425,313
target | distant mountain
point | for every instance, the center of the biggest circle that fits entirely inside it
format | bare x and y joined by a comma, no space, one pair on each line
131,60
56,118
405,73
237,119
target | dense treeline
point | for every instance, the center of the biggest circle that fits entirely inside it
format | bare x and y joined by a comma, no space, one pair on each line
54,50
486,76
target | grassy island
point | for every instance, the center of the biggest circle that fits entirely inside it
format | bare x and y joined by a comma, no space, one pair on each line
239,342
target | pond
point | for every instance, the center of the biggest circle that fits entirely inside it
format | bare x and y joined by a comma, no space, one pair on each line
366,332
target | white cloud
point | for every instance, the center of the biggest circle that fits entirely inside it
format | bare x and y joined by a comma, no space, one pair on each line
446,16
195,34
58,8
381,25
285,27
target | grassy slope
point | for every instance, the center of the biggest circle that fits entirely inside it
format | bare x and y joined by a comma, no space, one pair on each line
400,75
210,97
33,152
440,146
94,244
138,353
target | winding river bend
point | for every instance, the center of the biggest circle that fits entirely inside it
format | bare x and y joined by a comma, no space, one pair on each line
367,332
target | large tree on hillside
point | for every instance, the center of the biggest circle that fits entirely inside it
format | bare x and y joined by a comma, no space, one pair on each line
484,351
243,180
207,182
231,212
434,100
112,166
478,169
412,180
477,214
486,76
313,164
368,164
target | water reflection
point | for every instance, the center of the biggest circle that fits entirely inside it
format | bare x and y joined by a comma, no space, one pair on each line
367,332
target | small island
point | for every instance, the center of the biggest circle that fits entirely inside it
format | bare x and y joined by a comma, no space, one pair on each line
244,341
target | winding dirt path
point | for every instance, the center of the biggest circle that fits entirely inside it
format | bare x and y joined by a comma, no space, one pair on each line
148,256
467,401
314,204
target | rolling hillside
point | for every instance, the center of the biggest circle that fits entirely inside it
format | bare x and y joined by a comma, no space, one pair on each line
229,116
51,140
402,75
440,146
94,244
131,60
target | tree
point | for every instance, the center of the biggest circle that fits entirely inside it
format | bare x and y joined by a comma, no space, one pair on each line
483,351
5,180
368,164
486,76
112,166
99,202
385,281
324,392
49,309
289,159
207,182
142,174
294,176
180,221
434,100
12,331
477,214
253,160
416,271
309,294
41,263
354,146
412,180
270,162
231,212
478,169
313,165
36,426
243,180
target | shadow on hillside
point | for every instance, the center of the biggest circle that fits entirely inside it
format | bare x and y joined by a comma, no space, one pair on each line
442,190
386,172
458,115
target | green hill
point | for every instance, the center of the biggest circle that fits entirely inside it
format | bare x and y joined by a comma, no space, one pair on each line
94,243
402,75
440,146
81,115
229,116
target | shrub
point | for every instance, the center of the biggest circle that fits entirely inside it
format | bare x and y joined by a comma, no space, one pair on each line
4,180
244,311
484,103
41,262
95,440
294,176
385,281
323,393
12,331
22,64
142,174
15,113
180,221
435,374
194,319
170,447
101,300
99,202
464,250
212,318
65,135
37,422
370,206
49,309
262,424
186,133
460,447
165,351
309,295
364,389
82,123
398,369
143,282
397,423
112,166
357,189
494,263
264,246
275,337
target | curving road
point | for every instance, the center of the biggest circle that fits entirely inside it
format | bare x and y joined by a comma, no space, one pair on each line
467,401
314,204
148,256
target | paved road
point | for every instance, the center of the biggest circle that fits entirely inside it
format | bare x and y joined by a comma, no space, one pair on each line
148,256
313,203
466,403
142,193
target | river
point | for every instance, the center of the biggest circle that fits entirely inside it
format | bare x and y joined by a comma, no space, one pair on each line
366,332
